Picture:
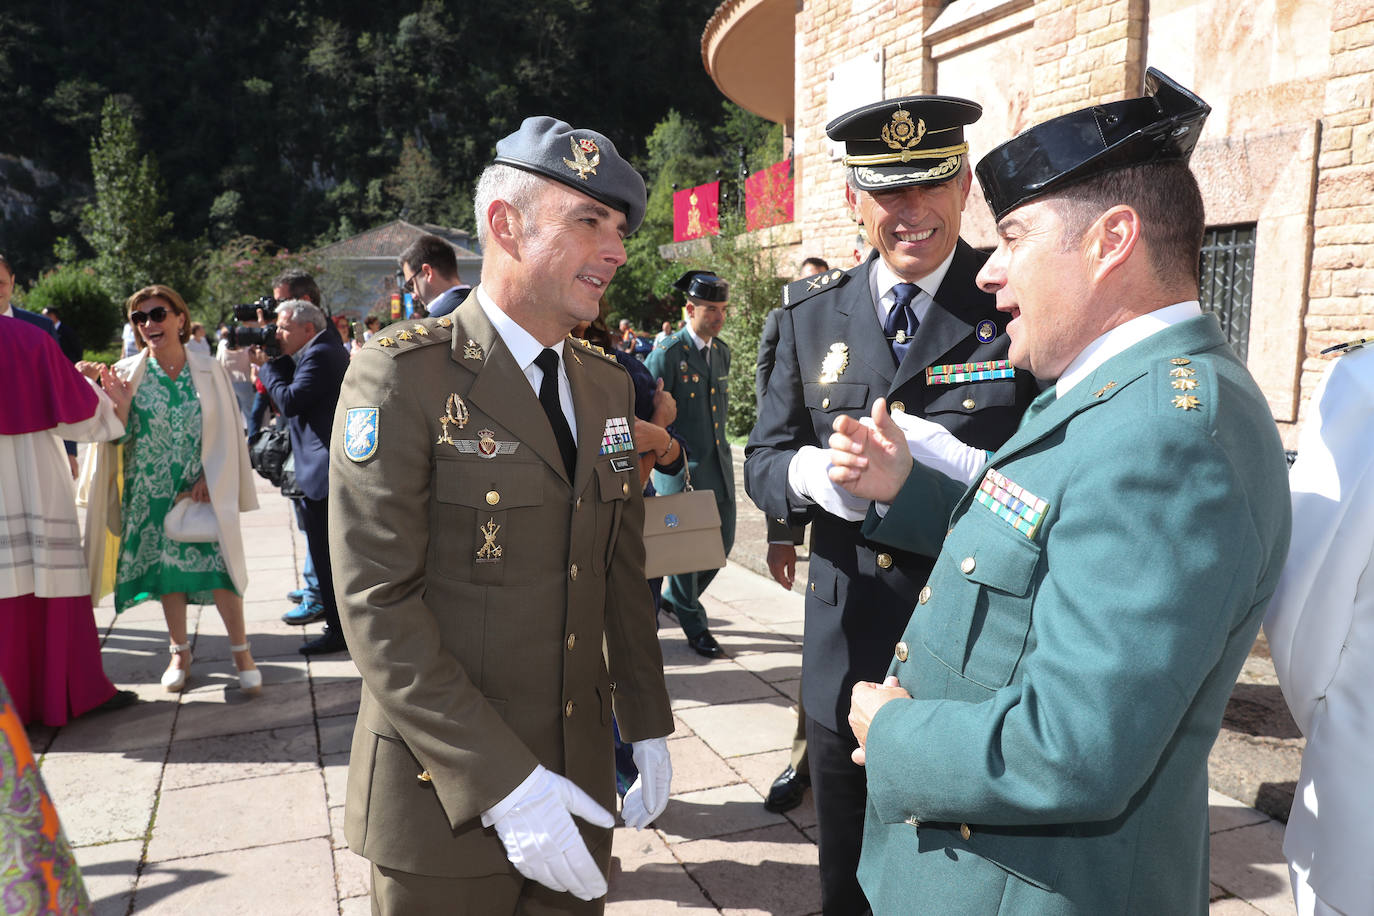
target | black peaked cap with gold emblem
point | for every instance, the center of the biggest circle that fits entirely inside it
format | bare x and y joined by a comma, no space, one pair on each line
916,139
1161,126
584,160
703,285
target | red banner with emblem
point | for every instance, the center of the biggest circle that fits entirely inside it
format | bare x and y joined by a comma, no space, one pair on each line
768,197
695,212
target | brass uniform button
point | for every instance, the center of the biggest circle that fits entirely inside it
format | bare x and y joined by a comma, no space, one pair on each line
965,832
625,489
913,821
493,497
572,641
901,652
572,572
884,560
969,404
967,566
425,777
924,596
713,391
568,709
825,402
577,504
895,406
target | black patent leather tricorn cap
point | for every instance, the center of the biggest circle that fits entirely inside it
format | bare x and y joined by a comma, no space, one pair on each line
703,285
1161,126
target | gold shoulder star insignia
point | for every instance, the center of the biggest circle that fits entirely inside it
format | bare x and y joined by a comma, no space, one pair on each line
1180,372
404,335
386,342
1184,384
1186,402
421,330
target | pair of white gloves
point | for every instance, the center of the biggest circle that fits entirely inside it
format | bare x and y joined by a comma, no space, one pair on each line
929,443
535,821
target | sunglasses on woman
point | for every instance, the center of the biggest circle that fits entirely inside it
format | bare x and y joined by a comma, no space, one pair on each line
157,315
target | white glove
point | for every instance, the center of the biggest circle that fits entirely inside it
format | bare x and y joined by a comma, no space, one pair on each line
937,448
649,795
808,475
536,827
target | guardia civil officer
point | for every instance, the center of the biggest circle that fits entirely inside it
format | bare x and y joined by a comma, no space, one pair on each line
488,537
1040,746
694,364
909,325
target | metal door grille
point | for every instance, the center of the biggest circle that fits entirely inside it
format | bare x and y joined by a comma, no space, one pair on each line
1228,276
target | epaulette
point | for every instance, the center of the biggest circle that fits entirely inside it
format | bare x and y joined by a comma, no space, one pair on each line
1187,387
1350,346
806,287
407,336
667,342
588,345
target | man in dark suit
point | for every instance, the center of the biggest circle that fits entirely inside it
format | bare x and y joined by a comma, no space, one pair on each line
66,336
306,390
429,271
14,311
908,324
488,525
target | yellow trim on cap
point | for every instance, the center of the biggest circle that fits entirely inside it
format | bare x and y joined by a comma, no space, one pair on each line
905,155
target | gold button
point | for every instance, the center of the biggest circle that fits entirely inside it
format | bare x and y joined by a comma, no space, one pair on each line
713,391
693,394
967,566
578,503
625,489
895,406
969,404
813,586
572,571
572,641
425,777
965,832
568,709
884,560
715,407
493,497
901,652
825,402
913,821
924,596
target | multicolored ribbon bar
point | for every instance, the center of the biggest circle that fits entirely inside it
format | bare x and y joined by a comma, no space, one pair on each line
1016,506
616,437
955,373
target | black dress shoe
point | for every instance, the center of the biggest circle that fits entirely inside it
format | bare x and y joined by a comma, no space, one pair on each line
705,644
787,791
330,641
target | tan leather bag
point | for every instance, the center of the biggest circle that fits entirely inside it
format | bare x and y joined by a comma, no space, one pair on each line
682,533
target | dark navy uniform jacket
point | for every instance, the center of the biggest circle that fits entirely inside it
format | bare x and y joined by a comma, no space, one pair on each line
861,593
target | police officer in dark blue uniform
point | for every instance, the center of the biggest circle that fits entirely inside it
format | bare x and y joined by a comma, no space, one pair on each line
909,325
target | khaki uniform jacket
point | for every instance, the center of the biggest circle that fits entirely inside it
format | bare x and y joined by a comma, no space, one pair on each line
476,585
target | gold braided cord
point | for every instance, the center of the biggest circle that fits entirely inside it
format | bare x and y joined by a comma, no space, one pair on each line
906,156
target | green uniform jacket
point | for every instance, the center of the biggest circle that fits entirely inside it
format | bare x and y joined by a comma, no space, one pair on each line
703,404
476,584
1069,672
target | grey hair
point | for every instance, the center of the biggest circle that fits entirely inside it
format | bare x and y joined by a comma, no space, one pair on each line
304,310
516,186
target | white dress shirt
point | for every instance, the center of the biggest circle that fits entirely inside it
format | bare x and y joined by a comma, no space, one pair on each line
524,348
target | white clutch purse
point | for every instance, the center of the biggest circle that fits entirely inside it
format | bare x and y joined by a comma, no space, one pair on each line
191,521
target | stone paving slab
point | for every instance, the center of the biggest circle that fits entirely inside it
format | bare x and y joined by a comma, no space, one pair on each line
240,814
730,870
733,729
288,879
714,813
109,871
227,758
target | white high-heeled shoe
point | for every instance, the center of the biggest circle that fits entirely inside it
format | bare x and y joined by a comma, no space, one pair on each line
250,682
174,679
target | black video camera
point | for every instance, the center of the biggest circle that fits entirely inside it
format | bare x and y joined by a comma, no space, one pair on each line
248,311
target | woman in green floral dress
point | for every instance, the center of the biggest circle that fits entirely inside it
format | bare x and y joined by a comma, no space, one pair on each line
179,399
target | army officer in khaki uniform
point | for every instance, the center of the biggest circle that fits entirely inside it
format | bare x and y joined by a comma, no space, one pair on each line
488,538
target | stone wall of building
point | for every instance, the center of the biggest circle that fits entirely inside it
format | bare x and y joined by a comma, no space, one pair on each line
1289,147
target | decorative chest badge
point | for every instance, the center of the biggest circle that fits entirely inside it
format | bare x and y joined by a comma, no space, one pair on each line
834,363
490,551
455,413
586,157
957,373
1018,507
985,331
360,433
616,437
486,445
472,350
901,133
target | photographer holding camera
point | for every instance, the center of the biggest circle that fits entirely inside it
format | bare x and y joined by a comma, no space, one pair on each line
304,383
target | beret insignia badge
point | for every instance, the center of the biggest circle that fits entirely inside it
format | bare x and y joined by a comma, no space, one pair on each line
586,157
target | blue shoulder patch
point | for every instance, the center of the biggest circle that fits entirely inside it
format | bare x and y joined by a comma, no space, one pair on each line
360,433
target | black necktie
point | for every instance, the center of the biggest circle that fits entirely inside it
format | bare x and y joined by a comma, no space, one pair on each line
706,355
547,361
901,320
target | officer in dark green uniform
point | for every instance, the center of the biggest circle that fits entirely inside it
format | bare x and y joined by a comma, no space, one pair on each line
695,367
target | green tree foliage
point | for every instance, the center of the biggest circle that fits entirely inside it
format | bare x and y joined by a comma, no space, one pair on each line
81,300
127,225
